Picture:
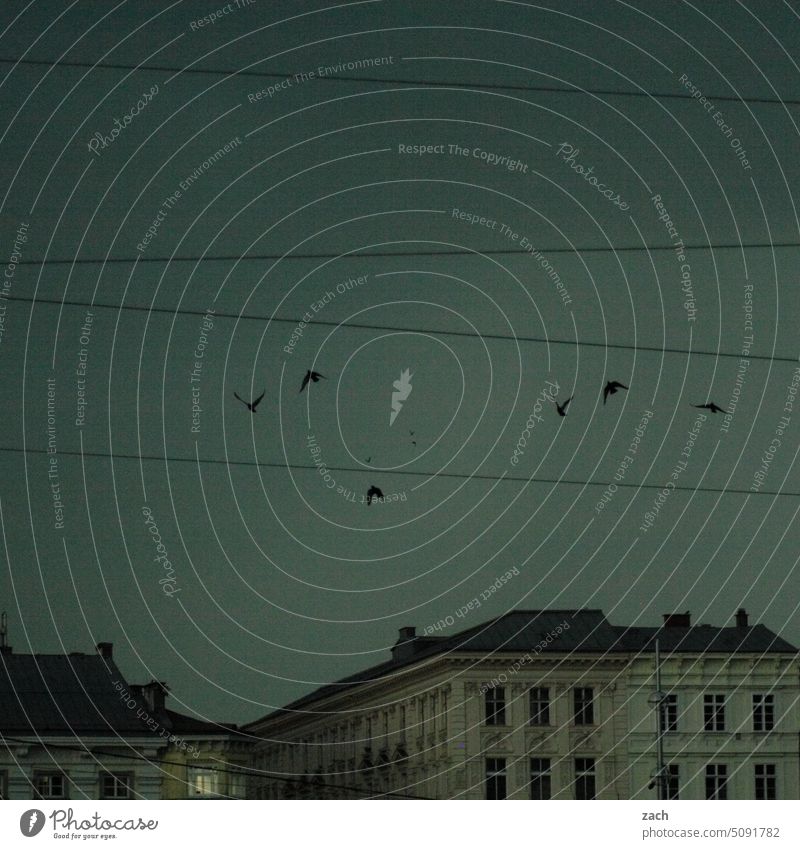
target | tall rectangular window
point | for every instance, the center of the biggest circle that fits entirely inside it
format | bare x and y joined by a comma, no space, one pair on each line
669,713
496,706
766,787
584,705
763,712
540,705
237,785
673,781
584,778
495,778
716,781
50,785
203,782
116,785
714,712
540,778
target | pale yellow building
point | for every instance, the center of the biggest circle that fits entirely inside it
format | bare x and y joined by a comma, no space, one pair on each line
546,704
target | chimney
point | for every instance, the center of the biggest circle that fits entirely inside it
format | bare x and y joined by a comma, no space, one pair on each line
154,694
741,618
677,620
106,650
404,647
4,647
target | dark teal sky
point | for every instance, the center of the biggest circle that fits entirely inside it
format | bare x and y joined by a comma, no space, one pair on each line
283,583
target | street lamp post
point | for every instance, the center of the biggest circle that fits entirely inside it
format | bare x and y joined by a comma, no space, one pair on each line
657,699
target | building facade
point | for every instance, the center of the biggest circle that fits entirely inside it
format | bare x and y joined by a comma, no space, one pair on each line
548,705
730,719
71,727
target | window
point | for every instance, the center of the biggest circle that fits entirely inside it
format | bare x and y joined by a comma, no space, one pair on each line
673,781
540,705
202,782
714,712
116,785
669,713
763,712
237,784
496,706
540,778
495,778
716,781
584,778
584,706
765,781
50,785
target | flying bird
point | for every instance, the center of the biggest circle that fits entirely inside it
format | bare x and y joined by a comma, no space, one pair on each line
373,492
562,408
612,387
251,405
311,375
712,406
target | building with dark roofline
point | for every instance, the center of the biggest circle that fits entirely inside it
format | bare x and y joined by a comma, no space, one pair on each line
71,727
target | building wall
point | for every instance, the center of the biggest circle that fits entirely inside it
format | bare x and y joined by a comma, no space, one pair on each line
207,768
21,761
437,716
442,728
378,738
739,746
562,741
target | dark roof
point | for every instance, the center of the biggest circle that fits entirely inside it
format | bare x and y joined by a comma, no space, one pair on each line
699,639
520,631
180,723
64,694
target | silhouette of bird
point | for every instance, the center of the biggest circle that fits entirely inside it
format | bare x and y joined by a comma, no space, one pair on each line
311,375
612,387
369,459
251,405
711,406
562,408
373,492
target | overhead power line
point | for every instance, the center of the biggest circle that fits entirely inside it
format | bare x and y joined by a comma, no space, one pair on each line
476,252
407,329
558,90
406,472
